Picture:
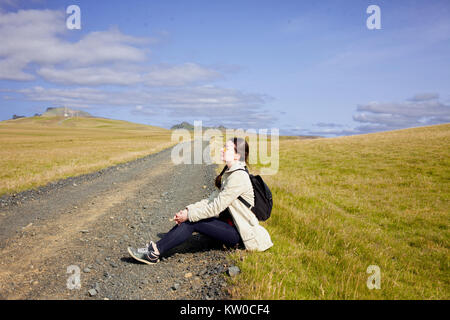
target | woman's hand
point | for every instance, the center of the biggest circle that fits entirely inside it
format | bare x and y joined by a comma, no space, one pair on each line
181,216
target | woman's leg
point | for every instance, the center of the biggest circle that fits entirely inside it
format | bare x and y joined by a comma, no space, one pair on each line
218,229
212,227
176,236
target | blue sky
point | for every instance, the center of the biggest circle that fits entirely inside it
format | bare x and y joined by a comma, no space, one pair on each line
304,67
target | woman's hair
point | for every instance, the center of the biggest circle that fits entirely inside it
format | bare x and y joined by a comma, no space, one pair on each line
240,147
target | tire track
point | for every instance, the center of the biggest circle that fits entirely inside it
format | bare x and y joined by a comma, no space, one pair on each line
90,225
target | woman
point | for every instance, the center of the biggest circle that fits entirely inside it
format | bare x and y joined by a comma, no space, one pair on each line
222,216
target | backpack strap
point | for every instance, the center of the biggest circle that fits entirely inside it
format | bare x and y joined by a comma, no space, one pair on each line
245,202
224,169
240,198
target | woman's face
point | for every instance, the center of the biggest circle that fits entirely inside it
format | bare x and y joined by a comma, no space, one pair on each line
227,153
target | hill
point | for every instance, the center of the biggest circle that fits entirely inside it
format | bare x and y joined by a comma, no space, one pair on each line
188,126
41,149
65,112
343,204
52,122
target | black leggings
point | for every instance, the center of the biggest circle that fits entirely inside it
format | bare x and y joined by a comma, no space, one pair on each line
212,227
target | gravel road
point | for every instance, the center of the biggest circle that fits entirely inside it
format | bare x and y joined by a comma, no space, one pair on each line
88,222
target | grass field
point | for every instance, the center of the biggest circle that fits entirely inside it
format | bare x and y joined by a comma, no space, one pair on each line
37,150
342,204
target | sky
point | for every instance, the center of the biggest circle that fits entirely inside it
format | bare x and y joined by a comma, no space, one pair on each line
302,67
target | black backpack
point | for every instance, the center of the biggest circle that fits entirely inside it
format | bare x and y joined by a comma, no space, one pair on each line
263,197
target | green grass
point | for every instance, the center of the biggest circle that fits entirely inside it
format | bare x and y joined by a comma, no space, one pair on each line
342,204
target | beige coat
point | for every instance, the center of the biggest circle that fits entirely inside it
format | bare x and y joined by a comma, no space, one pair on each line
254,236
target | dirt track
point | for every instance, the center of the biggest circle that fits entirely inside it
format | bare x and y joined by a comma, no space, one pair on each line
89,221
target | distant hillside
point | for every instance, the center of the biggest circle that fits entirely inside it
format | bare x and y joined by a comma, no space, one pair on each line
188,126
51,122
61,111
40,149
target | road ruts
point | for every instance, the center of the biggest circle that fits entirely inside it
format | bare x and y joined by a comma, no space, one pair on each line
87,223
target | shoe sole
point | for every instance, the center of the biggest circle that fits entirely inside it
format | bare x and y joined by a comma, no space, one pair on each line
139,259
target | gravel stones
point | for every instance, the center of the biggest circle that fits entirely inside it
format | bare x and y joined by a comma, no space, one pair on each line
233,271
92,292
195,270
176,286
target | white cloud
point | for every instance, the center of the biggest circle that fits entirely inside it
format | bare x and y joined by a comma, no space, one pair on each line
333,129
210,101
104,47
180,75
328,124
128,74
420,110
17,3
34,36
424,96
220,105
390,113
97,58
90,76
35,44
11,69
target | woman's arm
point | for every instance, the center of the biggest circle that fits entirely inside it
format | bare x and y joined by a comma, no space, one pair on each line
182,215
204,201
237,183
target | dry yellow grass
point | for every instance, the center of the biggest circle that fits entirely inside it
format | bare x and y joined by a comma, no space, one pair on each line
38,150
342,204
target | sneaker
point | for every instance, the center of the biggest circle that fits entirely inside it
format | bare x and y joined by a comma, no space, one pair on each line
145,255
